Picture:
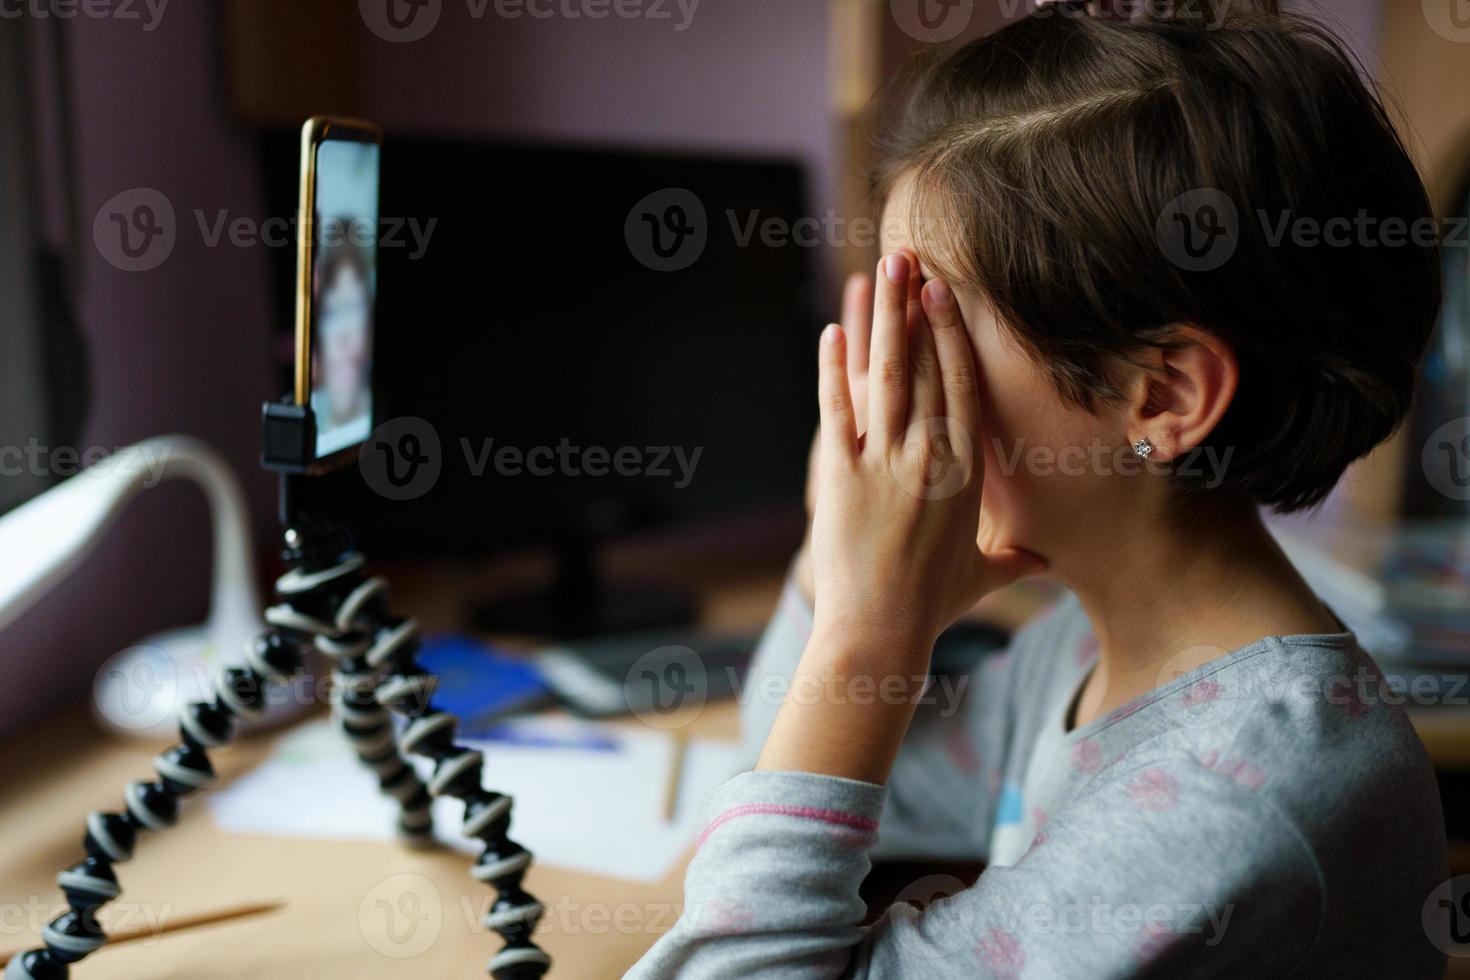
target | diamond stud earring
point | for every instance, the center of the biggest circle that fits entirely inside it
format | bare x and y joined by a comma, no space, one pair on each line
1143,448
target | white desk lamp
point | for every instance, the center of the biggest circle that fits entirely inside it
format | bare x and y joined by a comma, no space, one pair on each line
139,691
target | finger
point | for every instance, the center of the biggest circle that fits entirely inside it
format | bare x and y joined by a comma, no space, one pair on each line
857,325
915,294
857,320
916,280
997,570
888,381
958,374
839,429
926,389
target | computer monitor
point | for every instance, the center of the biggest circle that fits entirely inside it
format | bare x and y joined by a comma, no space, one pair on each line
533,316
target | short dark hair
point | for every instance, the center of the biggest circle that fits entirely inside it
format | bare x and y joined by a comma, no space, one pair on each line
1046,158
337,258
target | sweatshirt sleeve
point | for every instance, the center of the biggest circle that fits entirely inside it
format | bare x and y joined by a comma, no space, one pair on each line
942,797
772,890
1158,870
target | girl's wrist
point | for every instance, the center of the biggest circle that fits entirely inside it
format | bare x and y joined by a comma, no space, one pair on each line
801,571
851,700
865,645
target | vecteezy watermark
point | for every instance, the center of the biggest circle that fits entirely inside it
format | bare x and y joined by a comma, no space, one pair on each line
565,916
828,230
137,230
941,692
146,462
400,21
1446,917
946,924
401,916
996,932
148,12
1207,15
1096,459
1189,693
947,463
667,230
1446,459
938,21
404,21
242,231
1204,702
1202,229
1362,230
1450,19
403,459
137,688
667,687
675,463
143,686
1098,916
29,917
1199,230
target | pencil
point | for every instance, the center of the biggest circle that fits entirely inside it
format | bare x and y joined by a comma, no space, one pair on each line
676,775
173,925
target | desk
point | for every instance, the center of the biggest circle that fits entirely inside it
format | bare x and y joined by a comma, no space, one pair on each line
595,927
56,774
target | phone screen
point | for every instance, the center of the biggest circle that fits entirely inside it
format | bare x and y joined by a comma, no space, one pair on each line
344,286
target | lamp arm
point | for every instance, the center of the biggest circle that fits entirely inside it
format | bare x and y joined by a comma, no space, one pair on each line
46,538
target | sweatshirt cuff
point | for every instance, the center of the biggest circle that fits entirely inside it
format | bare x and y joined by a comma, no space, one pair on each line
794,799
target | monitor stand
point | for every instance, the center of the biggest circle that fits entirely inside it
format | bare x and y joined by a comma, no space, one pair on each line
581,601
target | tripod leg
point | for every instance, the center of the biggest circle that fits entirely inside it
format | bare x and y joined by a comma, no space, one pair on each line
241,692
457,772
370,730
326,605
328,596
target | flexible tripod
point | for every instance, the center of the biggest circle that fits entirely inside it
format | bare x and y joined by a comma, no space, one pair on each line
327,601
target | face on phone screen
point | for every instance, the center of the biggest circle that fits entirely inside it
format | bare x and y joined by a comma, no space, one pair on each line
344,285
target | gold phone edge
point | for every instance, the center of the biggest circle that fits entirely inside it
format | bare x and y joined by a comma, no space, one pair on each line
313,132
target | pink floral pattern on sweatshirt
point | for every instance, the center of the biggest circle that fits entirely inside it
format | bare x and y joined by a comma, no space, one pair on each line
1087,756
1001,951
1153,790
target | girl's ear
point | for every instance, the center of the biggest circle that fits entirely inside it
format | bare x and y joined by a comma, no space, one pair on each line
1183,392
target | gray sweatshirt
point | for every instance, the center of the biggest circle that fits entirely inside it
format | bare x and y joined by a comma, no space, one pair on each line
1269,814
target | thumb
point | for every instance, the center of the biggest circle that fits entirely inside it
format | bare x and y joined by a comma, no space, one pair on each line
996,570
812,467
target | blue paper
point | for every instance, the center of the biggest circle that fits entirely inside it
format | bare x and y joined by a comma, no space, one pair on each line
478,683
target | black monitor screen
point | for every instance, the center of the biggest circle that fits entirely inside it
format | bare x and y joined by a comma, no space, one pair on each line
611,339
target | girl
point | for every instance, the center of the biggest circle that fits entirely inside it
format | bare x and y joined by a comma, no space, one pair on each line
1102,339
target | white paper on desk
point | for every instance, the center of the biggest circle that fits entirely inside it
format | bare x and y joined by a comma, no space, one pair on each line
593,810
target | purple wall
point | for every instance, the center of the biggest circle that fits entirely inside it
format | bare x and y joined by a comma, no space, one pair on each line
746,75
178,348
1358,22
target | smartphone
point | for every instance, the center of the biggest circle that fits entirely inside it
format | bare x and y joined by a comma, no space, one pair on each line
337,282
